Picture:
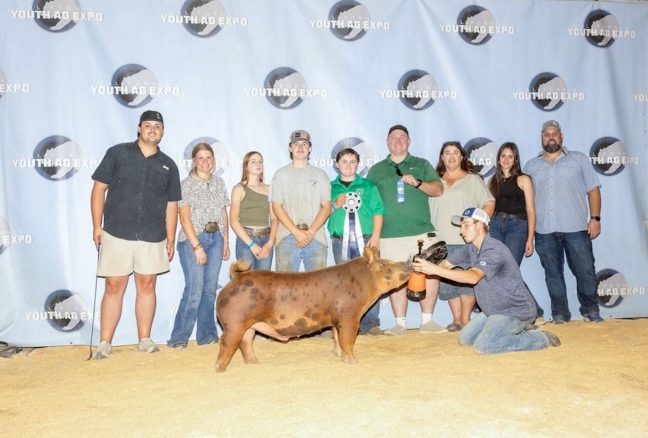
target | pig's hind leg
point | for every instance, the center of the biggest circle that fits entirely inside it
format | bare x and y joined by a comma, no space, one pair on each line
246,347
348,334
229,342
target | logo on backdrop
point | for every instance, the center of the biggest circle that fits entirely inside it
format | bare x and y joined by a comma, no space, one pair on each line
5,235
613,287
132,84
7,238
223,159
349,21
601,29
417,90
56,158
64,310
364,149
203,18
11,87
56,15
548,92
609,156
286,88
482,152
475,25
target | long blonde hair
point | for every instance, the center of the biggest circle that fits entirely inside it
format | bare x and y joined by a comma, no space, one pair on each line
245,175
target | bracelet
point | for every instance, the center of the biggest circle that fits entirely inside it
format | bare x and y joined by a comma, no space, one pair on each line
197,248
251,244
420,181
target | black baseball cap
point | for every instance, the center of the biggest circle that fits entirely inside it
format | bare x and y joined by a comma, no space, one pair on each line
151,116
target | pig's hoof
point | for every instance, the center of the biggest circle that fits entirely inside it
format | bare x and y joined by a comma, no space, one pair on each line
350,359
249,361
337,352
220,369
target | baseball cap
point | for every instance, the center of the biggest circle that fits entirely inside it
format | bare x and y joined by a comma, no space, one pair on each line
399,127
472,213
300,135
551,124
151,116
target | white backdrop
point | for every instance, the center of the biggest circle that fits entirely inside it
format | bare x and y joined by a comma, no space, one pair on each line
75,76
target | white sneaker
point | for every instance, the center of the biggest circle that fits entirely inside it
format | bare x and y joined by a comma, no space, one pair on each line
147,345
397,330
432,327
103,351
539,321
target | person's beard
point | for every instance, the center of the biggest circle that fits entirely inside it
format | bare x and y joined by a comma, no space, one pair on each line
552,147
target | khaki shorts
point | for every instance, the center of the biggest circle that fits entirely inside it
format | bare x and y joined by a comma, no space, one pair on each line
119,257
399,249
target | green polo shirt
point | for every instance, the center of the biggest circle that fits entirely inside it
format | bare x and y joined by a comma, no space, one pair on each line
411,217
371,205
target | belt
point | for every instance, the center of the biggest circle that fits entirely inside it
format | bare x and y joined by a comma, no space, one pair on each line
211,227
503,214
257,232
302,227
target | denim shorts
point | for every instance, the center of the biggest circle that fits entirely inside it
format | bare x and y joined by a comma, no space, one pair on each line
451,289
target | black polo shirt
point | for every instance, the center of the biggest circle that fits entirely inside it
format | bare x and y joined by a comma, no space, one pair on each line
139,189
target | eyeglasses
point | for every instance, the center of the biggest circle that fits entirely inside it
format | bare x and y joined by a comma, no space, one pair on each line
398,171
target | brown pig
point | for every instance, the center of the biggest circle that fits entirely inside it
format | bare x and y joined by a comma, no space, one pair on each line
287,305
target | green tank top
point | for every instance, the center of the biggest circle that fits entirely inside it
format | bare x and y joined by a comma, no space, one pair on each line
255,210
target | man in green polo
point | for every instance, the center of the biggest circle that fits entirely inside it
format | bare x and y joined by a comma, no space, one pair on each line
405,182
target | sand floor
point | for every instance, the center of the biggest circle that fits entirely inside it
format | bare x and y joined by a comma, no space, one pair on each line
595,384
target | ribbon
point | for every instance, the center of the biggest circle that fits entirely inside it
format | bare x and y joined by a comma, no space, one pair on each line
352,240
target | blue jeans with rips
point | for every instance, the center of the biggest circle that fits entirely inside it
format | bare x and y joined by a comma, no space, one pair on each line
289,255
199,295
577,246
501,334
513,232
243,252
371,318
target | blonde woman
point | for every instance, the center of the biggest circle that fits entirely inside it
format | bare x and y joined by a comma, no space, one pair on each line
203,244
251,215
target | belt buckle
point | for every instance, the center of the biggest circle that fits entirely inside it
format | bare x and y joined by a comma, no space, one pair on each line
302,227
211,227
261,232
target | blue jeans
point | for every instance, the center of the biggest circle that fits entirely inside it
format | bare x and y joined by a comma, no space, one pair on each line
371,318
289,256
552,249
199,295
501,334
513,232
243,252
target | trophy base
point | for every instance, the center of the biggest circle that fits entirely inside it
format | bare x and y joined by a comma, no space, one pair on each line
415,296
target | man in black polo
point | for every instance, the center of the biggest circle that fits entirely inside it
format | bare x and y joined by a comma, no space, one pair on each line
135,192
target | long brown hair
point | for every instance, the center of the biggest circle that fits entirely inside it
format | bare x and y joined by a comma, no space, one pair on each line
246,160
466,164
516,170
200,147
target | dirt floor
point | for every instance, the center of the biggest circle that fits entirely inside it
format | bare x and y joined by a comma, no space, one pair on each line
595,384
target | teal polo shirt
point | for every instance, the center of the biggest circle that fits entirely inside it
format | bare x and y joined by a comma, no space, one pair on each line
371,205
412,217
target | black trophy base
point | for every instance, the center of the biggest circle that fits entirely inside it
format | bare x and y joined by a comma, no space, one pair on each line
415,296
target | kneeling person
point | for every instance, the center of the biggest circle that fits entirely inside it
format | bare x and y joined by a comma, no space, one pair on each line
508,308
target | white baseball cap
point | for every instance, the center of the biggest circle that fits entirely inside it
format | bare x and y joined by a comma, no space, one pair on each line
472,213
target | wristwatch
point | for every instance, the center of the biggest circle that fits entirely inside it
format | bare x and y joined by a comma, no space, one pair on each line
596,218
420,181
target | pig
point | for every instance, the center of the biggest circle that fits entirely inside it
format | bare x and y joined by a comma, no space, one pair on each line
286,305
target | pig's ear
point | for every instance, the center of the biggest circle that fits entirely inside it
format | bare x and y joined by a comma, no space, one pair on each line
371,254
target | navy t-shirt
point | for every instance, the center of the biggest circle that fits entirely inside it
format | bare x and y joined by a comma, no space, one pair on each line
501,291
139,189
